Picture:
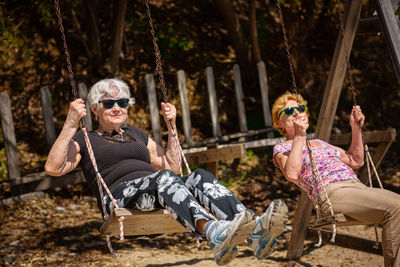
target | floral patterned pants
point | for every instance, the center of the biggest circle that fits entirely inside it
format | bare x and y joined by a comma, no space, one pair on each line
188,199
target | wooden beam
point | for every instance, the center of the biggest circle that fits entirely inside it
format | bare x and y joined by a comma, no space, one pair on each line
216,154
325,118
337,72
378,136
21,198
391,29
40,181
212,97
369,25
239,98
395,4
187,125
153,105
10,142
142,223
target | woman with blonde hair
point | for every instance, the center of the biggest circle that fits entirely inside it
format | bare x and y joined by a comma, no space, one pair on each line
346,194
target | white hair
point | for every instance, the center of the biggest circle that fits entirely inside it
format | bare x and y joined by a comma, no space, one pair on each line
104,88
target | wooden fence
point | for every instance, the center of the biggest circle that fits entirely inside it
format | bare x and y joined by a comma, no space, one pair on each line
209,151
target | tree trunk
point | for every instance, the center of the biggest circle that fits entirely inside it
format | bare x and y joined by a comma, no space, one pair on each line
256,55
118,33
232,23
94,43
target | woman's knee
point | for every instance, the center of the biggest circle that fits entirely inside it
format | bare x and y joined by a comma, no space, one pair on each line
166,177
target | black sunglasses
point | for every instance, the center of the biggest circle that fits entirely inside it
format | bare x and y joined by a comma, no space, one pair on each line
290,111
109,103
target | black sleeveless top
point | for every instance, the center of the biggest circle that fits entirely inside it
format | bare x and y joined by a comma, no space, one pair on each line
116,162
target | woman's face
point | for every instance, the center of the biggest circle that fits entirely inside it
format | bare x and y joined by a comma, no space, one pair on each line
286,122
111,118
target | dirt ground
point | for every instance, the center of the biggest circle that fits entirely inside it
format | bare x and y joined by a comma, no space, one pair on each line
55,231
62,229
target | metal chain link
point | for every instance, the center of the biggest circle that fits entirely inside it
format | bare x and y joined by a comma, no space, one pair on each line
347,55
158,70
69,65
287,48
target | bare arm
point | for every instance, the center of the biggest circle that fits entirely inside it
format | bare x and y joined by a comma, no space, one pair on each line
354,157
64,155
291,164
165,158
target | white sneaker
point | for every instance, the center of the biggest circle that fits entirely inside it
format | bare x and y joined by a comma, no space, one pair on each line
228,235
268,227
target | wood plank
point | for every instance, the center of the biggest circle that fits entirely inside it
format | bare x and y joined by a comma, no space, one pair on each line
21,198
369,25
40,181
142,223
187,125
377,136
153,105
325,119
10,142
239,98
48,116
216,154
301,219
391,30
395,4
262,77
212,97
337,71
83,92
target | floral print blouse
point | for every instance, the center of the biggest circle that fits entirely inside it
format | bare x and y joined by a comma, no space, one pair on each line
327,158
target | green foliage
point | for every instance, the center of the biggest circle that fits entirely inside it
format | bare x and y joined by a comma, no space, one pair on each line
46,11
174,41
8,39
231,182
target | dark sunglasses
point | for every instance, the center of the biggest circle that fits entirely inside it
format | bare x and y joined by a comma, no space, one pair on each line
109,103
290,111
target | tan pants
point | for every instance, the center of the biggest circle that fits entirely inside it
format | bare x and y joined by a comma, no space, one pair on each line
370,206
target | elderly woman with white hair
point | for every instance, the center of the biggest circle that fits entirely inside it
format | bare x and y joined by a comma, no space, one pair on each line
141,175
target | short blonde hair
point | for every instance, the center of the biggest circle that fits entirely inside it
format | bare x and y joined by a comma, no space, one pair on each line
280,103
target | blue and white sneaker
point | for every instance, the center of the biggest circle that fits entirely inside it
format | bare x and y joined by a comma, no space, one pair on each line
229,234
268,227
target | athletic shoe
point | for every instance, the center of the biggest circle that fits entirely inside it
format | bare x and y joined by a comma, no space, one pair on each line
268,227
229,234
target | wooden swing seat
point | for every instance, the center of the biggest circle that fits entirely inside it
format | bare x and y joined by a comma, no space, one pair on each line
142,223
340,219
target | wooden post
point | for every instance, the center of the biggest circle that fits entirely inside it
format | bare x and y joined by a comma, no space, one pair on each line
239,98
153,105
395,4
262,77
212,97
391,29
83,92
325,119
10,141
187,126
47,116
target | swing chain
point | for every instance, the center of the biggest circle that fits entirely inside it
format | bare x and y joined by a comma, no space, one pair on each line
287,48
158,70
346,52
69,65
